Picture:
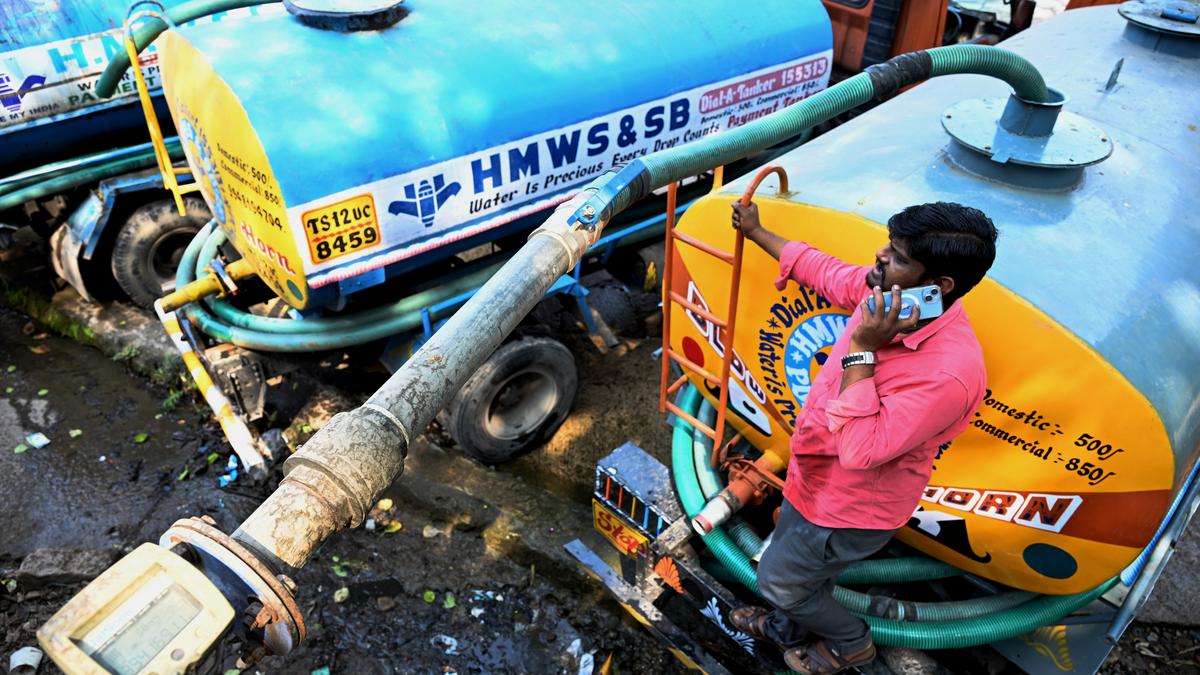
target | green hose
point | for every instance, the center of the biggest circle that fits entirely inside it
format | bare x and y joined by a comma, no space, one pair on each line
273,334
1002,625
616,190
153,27
22,190
688,489
675,164
953,625
904,610
886,572
710,480
71,166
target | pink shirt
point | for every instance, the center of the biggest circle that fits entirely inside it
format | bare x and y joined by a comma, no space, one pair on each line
862,458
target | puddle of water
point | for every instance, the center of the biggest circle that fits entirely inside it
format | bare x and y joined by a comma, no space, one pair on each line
76,491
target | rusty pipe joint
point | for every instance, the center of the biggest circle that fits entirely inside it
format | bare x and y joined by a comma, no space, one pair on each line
749,483
728,501
329,484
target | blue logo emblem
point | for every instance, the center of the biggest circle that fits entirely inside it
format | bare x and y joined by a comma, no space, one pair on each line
808,348
11,99
422,200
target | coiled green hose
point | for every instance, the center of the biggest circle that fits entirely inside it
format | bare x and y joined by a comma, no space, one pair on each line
273,334
952,625
54,178
904,610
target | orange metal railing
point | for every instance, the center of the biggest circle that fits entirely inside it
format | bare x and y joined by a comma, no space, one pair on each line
726,326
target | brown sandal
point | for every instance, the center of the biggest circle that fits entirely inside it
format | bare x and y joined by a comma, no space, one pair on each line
750,620
821,659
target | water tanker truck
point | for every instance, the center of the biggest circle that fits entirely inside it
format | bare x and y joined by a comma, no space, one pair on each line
1045,524
371,204
75,165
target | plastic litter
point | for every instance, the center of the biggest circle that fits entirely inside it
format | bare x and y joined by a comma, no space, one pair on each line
448,644
43,392
429,532
24,661
341,595
477,612
429,596
75,433
20,448
140,437
323,670
232,472
449,602
587,664
39,349
37,440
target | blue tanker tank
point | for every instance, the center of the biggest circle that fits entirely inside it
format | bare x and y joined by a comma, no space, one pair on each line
334,160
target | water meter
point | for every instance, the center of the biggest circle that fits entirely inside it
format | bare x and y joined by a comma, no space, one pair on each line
152,612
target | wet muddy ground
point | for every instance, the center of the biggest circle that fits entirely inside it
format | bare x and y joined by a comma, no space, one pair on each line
431,597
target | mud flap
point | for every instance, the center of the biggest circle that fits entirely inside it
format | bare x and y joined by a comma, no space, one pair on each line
641,606
65,250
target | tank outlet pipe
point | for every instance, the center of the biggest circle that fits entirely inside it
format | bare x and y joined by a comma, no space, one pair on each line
741,491
221,279
332,481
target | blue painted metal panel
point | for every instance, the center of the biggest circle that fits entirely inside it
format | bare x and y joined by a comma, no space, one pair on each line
459,76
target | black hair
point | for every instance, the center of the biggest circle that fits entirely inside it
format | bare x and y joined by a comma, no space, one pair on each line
949,240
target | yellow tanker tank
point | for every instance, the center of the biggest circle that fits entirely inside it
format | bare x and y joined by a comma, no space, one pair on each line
1088,318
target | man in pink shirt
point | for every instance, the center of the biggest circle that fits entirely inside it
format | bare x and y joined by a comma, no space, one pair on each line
892,392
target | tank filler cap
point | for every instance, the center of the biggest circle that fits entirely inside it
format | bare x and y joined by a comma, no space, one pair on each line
346,16
1027,143
1173,17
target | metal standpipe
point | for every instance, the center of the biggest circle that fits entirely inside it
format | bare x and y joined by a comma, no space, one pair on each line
333,480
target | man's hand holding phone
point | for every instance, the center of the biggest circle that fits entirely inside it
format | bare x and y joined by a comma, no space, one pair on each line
881,321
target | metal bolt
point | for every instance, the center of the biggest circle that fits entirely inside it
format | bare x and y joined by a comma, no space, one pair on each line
588,211
261,619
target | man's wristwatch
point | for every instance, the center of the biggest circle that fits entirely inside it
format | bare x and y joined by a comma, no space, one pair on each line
858,359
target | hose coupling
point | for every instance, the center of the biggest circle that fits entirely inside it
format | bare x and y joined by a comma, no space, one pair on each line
715,512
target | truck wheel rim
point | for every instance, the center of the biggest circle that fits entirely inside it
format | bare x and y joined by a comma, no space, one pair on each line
163,258
521,404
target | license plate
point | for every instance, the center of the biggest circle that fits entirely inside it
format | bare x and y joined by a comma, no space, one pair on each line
627,540
342,228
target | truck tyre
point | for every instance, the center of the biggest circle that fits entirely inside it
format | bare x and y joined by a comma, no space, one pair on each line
516,400
151,242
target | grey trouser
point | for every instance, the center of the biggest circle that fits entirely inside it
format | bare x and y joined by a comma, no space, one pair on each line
796,574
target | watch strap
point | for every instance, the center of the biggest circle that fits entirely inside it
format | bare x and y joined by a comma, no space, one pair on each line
858,359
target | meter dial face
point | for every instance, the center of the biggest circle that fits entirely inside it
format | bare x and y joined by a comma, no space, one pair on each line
141,627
